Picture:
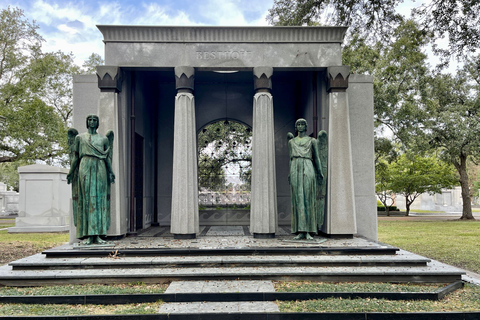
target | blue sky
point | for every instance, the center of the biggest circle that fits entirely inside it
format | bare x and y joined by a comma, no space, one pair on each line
70,26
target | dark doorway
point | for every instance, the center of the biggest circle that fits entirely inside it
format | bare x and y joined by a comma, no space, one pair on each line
138,181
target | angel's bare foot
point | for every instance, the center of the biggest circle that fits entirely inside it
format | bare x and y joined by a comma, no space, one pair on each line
99,240
300,236
308,236
88,241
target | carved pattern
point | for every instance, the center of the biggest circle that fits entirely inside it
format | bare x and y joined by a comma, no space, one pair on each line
222,34
337,78
109,78
185,78
262,78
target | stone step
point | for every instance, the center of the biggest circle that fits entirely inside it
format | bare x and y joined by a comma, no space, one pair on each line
42,262
233,251
433,272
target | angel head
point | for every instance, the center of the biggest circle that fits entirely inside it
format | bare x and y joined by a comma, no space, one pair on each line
93,119
301,125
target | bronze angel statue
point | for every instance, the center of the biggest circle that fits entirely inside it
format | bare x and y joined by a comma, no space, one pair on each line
307,180
91,175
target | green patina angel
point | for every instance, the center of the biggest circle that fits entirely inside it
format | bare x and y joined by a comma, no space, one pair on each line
91,175
307,180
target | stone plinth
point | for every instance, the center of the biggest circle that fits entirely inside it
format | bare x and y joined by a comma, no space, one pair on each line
44,200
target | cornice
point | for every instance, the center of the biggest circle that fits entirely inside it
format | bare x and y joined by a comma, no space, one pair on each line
209,34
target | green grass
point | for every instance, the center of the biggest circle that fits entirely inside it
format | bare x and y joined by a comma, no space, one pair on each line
131,288
464,300
310,286
70,310
453,242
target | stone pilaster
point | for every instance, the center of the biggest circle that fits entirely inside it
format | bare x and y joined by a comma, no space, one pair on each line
110,85
341,218
184,214
263,213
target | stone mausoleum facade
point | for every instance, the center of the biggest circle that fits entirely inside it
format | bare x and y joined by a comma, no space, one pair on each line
161,85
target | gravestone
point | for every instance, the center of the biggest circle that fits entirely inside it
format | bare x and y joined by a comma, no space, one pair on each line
44,200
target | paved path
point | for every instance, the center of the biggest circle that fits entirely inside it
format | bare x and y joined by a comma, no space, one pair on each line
219,287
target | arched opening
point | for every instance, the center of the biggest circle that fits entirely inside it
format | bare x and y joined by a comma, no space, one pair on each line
224,173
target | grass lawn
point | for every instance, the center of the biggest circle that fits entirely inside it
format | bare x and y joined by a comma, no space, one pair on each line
453,242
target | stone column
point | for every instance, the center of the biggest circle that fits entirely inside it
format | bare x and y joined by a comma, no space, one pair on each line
110,85
340,220
184,214
263,213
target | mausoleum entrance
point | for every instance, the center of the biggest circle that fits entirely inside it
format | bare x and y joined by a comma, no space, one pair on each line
161,85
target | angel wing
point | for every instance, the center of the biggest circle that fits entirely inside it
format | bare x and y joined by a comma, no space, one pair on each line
322,139
290,136
109,136
71,135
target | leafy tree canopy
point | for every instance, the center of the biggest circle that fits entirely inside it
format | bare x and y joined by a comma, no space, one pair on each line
457,20
224,148
411,175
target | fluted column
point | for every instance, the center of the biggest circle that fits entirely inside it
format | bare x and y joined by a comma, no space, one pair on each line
184,214
263,213
341,218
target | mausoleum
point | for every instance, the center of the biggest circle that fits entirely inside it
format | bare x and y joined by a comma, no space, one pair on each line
160,85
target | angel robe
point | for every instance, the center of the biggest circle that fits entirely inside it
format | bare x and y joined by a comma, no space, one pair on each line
305,172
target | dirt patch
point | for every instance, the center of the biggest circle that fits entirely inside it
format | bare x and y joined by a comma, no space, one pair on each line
16,250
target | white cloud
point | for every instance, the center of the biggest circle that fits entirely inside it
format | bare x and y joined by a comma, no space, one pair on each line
70,26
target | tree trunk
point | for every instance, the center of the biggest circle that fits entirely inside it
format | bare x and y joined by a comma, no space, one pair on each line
467,204
407,205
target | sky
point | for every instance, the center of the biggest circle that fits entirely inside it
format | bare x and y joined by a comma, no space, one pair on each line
70,26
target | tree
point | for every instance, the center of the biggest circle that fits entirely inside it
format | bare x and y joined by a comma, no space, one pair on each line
400,76
385,154
35,93
459,20
452,123
377,16
94,60
224,146
383,180
412,174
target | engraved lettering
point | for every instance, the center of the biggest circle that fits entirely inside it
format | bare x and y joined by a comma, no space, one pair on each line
222,55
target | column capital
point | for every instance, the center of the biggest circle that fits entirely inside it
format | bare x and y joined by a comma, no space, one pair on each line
184,78
337,78
109,78
262,78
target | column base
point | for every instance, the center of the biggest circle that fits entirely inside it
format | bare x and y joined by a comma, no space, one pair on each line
132,234
264,235
335,236
185,236
155,224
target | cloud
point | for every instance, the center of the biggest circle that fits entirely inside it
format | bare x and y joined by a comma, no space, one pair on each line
70,26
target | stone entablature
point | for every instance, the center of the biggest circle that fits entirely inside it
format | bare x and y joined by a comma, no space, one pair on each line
222,48
205,34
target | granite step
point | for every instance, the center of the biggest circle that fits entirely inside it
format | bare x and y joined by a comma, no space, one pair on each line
42,262
433,272
229,251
